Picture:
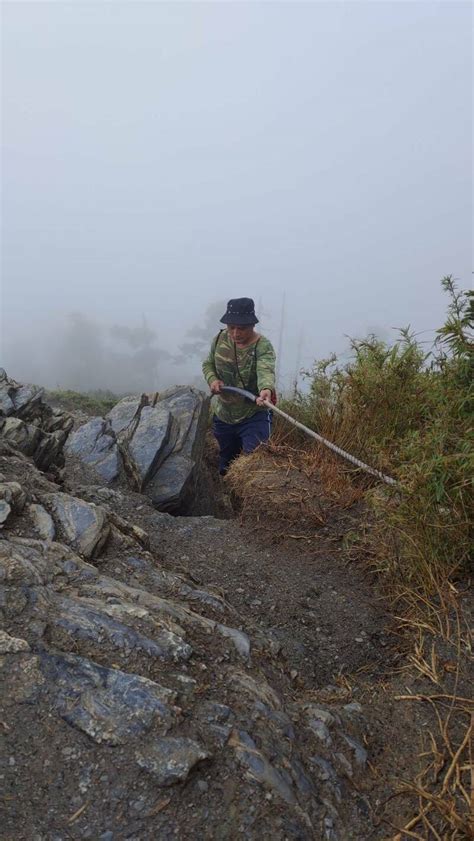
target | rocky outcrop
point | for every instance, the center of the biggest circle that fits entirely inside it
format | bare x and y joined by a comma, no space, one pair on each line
153,442
29,425
143,693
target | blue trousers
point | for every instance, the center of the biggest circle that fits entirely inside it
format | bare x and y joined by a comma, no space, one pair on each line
235,438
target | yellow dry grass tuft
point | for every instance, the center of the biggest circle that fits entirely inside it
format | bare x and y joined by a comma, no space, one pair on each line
291,491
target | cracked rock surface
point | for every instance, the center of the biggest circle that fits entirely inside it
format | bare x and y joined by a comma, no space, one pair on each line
153,443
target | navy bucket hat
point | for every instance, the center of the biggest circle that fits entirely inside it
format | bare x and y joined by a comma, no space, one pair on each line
240,311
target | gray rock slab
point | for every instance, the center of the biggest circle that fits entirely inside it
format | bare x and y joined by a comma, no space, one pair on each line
85,526
5,511
42,521
259,768
25,437
95,444
183,403
18,399
26,399
109,705
82,621
123,413
172,483
148,441
170,759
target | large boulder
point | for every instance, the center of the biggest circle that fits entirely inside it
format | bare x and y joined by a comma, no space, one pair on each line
154,443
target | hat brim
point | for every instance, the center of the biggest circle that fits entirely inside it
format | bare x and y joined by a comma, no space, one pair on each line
241,320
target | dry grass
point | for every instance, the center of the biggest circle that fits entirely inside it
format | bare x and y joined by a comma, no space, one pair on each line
291,491
442,793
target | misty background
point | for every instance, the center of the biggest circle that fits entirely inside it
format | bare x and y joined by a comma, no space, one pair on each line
160,158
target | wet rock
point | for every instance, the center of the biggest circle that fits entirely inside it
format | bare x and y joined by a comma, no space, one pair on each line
85,526
12,645
170,759
108,704
95,444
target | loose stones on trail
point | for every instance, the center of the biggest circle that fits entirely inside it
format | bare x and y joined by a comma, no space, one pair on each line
170,759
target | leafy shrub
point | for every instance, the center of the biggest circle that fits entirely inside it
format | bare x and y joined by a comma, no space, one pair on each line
409,413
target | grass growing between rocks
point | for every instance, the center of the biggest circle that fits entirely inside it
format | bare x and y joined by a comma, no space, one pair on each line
92,402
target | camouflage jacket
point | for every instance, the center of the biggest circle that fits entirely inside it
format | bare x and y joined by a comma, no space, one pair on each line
252,368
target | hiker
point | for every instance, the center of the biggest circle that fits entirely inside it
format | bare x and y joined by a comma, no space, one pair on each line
241,357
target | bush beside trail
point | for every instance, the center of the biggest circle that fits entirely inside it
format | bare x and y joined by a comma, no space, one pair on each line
408,413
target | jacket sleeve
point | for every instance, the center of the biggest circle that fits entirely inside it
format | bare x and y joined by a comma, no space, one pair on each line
208,366
265,366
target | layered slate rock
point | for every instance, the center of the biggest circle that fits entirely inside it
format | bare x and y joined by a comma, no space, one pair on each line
152,442
172,486
95,444
85,526
109,705
12,499
145,447
28,424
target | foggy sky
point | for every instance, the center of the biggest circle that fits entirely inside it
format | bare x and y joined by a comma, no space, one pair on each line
158,157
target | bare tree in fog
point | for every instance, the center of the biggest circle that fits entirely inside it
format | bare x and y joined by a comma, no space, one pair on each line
201,334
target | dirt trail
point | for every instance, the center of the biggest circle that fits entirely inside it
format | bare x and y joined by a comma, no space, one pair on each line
319,605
